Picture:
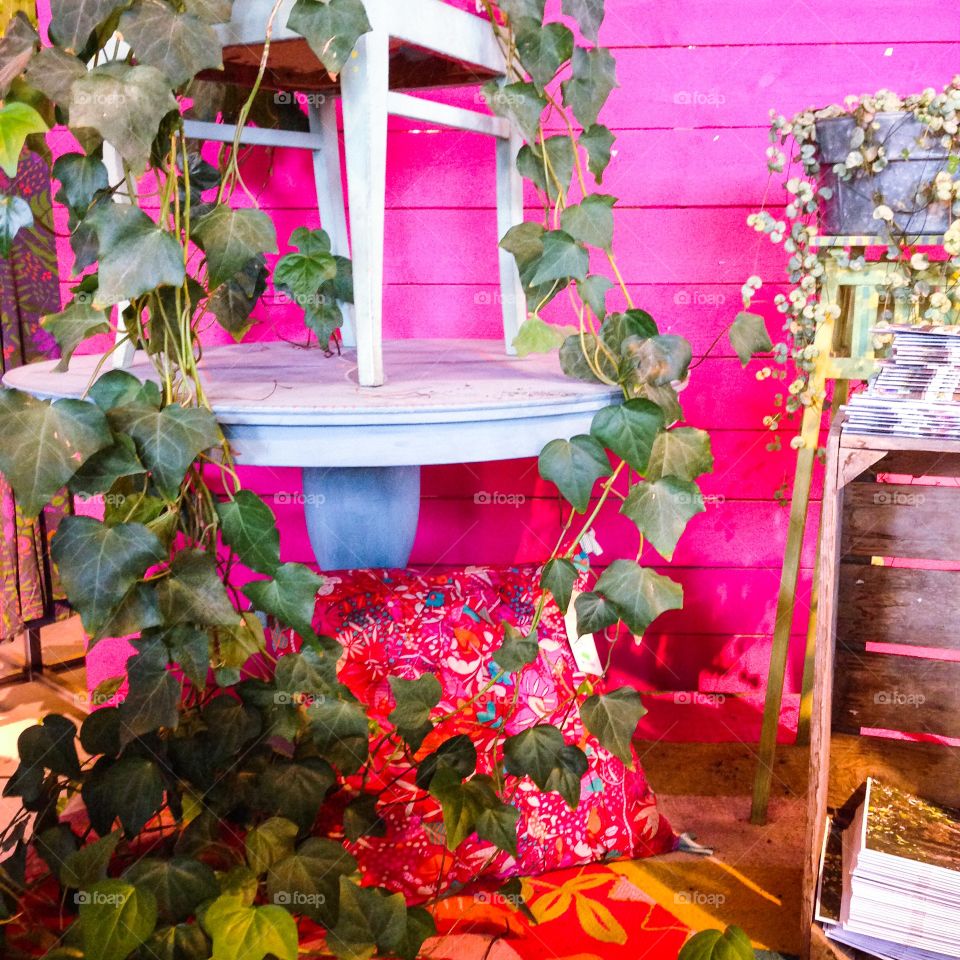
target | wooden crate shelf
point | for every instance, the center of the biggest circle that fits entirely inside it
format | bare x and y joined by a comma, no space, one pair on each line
884,631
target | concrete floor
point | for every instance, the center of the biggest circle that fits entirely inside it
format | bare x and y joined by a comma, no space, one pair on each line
752,879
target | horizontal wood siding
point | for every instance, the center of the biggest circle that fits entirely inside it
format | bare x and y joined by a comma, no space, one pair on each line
697,79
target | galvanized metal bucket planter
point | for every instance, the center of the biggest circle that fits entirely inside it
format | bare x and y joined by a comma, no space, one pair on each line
915,157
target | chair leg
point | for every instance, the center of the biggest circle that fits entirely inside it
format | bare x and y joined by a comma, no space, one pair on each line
32,653
328,174
364,87
509,214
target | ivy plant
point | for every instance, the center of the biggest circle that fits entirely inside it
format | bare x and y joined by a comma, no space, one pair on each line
204,785
919,284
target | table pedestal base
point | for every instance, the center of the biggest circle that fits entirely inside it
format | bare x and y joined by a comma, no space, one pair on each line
360,517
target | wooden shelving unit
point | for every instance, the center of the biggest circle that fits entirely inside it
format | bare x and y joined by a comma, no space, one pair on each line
874,517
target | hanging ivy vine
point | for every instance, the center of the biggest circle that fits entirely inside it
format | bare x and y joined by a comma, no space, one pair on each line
213,773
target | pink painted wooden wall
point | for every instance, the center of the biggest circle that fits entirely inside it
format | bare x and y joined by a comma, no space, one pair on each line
698,78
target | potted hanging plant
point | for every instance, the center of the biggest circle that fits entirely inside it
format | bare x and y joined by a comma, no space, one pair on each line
879,171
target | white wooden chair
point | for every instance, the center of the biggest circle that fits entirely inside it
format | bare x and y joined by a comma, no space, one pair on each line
405,35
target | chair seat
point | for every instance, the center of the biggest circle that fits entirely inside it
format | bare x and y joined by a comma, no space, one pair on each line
424,35
294,66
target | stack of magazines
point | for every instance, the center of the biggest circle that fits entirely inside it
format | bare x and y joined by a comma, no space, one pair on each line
890,881
917,391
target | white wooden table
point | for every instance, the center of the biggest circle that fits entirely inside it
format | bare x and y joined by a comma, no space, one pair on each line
445,401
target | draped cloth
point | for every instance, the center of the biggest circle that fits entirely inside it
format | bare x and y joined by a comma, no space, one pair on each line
29,289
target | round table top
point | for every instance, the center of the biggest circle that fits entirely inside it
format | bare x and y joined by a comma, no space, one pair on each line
445,401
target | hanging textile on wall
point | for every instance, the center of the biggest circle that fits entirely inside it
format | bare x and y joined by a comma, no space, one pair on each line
29,288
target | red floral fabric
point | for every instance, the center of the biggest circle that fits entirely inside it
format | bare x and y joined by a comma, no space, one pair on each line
404,624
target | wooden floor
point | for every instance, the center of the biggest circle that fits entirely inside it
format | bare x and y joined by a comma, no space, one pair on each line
753,878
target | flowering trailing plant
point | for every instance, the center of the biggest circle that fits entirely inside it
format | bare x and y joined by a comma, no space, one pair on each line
202,787
920,282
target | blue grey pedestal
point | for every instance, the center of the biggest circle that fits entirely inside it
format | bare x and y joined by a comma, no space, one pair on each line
361,516
361,448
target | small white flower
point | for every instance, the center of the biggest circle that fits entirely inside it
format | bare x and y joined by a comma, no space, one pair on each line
882,212
919,261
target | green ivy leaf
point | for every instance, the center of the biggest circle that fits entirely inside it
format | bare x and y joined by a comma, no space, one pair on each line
368,920
683,452
167,440
233,302
269,843
323,317
593,291
99,564
117,388
748,336
415,699
17,48
573,360
612,718
362,819
543,48
661,509
115,918
541,753
518,9
49,745
630,430
310,674
630,325
308,881
457,754
290,596
179,45
210,11
231,239
15,215
184,941
658,361
474,807
296,790
73,325
558,576
331,28
88,865
598,141
520,102
241,932
153,696
732,944
81,178
638,594
194,592
17,122
563,259
130,788
302,274
53,72
105,467
249,526
594,613
42,444
525,242
574,466
100,732
559,157
588,13
517,649
420,927
594,78
591,221
178,884
73,21
536,336
125,105
339,730
136,256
